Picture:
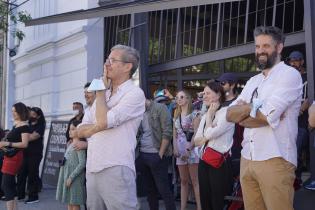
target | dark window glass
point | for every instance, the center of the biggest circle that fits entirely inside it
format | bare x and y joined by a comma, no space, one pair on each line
252,5
299,15
233,32
243,5
241,30
288,16
279,1
270,3
261,4
226,27
235,9
213,36
215,10
269,15
251,26
260,18
227,8
279,16
214,67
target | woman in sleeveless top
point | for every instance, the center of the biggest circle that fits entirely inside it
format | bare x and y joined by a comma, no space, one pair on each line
186,156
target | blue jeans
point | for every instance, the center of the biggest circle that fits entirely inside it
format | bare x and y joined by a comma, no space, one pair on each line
154,171
301,144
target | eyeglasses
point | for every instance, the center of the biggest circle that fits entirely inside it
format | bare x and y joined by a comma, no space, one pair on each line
254,95
110,61
179,97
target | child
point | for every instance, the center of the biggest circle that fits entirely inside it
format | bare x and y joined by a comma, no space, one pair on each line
71,183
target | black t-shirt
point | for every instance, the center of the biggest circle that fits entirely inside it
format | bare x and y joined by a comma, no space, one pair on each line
35,147
15,134
227,103
303,118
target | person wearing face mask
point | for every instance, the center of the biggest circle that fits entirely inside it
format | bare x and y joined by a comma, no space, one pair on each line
32,157
78,113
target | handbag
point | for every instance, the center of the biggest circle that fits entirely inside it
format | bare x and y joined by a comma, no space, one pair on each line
213,157
188,134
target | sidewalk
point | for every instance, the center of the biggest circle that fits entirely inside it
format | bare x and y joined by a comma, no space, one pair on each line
304,200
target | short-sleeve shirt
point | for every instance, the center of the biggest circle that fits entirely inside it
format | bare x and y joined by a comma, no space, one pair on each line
35,147
15,134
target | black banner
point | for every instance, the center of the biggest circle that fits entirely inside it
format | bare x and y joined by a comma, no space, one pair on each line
55,150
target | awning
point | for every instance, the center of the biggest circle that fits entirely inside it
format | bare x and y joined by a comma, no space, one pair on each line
115,9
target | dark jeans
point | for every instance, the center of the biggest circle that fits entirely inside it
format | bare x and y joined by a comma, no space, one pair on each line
29,171
214,184
154,172
301,144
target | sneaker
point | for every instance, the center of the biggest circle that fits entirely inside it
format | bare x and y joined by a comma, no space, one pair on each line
31,200
310,186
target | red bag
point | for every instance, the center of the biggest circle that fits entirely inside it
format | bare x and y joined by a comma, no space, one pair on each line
12,165
213,157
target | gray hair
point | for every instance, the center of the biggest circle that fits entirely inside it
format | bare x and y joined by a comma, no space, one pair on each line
274,32
129,55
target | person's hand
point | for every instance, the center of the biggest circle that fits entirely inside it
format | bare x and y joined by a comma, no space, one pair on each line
175,152
212,109
184,157
79,145
106,80
168,94
3,144
241,102
196,121
161,155
68,182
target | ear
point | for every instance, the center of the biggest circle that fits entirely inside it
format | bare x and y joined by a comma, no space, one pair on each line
279,48
128,67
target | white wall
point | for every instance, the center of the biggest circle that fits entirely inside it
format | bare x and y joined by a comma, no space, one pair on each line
54,61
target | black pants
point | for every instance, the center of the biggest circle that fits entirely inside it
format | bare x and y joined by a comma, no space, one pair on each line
214,184
155,174
29,172
8,186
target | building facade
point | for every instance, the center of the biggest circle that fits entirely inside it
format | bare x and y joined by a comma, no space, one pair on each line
181,46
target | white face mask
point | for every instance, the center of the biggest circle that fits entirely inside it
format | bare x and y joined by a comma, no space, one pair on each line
75,112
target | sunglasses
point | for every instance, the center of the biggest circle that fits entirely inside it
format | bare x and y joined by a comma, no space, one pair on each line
223,83
179,97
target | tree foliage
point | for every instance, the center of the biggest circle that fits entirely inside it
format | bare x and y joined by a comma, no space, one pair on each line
10,17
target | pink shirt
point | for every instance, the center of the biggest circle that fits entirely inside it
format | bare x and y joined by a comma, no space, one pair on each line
116,145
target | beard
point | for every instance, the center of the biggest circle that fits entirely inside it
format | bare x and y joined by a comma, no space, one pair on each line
266,64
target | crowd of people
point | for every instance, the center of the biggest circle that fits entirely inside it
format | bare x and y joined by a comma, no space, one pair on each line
256,137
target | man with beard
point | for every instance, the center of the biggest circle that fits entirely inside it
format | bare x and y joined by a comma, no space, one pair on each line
268,108
296,60
228,82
